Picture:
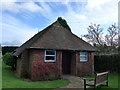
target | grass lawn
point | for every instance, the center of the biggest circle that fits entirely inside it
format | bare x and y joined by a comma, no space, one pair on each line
113,81
9,80
0,74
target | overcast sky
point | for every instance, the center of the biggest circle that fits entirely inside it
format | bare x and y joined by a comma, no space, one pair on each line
19,21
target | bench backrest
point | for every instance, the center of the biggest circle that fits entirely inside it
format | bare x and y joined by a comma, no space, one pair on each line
101,77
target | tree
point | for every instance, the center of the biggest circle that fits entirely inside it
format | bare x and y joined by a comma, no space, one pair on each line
9,59
94,34
104,42
112,36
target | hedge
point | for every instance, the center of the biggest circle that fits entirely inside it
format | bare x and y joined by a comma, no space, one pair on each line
6,49
9,59
107,63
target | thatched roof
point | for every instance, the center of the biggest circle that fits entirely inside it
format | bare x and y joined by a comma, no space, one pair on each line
57,36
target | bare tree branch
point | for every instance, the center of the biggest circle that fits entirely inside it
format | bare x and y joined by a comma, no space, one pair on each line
94,34
111,37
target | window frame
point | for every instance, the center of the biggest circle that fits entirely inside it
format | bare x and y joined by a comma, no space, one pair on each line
84,56
45,55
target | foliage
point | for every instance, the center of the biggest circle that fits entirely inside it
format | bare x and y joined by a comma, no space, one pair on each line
9,80
107,63
106,49
6,49
9,59
119,49
63,23
45,71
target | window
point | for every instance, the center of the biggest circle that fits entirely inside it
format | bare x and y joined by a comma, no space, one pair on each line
83,56
50,56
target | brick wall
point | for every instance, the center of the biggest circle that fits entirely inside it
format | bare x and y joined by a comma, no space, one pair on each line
59,60
85,68
18,67
35,55
23,64
38,55
73,63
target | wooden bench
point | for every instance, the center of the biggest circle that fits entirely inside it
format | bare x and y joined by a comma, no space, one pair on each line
100,78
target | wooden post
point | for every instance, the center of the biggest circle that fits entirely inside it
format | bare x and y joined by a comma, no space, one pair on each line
84,84
107,80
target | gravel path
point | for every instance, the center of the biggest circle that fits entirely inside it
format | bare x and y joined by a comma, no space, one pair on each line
75,83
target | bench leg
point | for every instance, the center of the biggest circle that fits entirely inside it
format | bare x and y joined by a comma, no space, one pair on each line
94,87
107,84
84,87
84,84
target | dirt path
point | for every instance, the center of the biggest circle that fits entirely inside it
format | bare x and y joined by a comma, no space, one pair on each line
75,82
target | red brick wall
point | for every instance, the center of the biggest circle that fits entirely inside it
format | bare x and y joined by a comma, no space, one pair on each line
84,68
38,55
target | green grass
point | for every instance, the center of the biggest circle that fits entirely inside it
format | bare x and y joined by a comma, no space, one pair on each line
0,74
113,81
9,80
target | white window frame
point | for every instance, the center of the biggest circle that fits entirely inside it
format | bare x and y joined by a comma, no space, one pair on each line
85,56
50,55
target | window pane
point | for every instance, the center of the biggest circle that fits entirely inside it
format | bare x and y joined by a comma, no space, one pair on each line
50,58
83,59
83,53
50,52
83,56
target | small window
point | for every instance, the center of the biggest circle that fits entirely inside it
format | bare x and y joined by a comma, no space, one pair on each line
50,56
83,56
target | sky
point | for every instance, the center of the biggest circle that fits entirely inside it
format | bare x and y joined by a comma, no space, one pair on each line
20,20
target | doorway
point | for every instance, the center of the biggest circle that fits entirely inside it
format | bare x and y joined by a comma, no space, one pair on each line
66,62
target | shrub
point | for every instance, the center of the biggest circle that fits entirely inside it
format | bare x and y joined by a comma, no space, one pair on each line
9,59
45,71
107,63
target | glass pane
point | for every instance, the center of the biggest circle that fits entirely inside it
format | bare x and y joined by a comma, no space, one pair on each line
83,56
50,58
83,59
83,53
50,52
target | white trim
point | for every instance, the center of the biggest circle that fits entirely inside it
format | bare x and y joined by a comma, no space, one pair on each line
50,55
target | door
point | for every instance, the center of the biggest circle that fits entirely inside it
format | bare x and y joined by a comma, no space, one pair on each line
66,62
